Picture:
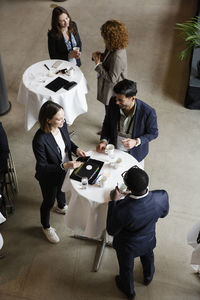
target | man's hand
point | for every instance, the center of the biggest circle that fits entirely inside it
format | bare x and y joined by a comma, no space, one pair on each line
101,147
80,152
129,143
116,194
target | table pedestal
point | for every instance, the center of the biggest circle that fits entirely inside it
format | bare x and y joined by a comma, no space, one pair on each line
102,243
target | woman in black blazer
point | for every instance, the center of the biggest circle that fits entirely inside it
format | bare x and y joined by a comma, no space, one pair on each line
52,148
63,38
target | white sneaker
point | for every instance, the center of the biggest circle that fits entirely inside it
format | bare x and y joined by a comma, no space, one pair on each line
61,210
51,235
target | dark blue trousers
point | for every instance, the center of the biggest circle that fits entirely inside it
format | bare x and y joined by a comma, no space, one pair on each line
50,193
126,265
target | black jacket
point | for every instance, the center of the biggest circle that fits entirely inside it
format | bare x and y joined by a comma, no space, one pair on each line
132,222
48,157
4,150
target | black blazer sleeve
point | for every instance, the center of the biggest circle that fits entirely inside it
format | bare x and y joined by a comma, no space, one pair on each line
77,36
110,123
4,149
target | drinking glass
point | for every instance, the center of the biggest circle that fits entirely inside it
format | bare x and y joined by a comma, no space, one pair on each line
84,183
76,49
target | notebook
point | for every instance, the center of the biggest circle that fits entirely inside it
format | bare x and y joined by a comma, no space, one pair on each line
59,83
89,169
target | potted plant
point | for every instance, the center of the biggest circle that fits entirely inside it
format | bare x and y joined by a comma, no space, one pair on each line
190,32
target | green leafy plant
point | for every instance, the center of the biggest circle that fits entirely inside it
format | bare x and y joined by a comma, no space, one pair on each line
190,32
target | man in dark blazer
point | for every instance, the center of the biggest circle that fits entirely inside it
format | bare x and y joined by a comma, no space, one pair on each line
132,221
130,124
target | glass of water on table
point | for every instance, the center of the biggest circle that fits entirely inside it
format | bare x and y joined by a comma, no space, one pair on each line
84,183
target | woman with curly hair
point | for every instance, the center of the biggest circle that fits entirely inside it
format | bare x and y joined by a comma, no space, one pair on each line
63,38
111,65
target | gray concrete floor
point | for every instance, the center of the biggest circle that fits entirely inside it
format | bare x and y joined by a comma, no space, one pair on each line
33,268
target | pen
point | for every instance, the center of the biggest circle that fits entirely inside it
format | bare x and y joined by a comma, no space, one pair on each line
97,178
46,67
94,173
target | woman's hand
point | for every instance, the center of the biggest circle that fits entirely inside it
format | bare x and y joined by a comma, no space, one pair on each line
74,54
96,57
80,152
72,164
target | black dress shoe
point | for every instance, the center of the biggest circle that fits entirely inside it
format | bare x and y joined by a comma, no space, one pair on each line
148,281
129,296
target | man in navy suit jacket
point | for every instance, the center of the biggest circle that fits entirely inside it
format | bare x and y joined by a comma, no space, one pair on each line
132,221
130,124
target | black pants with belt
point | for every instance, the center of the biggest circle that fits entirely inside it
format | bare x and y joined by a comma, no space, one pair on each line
50,193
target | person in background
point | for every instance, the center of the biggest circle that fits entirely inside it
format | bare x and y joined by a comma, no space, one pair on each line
132,222
63,39
53,149
111,65
4,153
130,124
4,150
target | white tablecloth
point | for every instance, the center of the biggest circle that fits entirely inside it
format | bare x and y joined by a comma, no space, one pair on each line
87,210
192,241
33,94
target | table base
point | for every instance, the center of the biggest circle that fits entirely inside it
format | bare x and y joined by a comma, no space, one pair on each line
102,243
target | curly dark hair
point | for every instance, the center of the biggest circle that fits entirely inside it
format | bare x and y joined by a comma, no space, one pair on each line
115,35
55,26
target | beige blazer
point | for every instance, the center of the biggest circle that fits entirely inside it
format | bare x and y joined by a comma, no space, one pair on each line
112,69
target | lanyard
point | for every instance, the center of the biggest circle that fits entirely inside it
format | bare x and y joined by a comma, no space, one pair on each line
129,125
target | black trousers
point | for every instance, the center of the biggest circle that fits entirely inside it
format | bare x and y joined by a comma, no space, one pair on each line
126,265
50,193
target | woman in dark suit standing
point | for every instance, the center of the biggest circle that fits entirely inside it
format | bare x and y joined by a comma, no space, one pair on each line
52,148
63,39
111,65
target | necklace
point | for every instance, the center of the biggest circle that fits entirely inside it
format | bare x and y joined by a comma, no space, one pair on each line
55,131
